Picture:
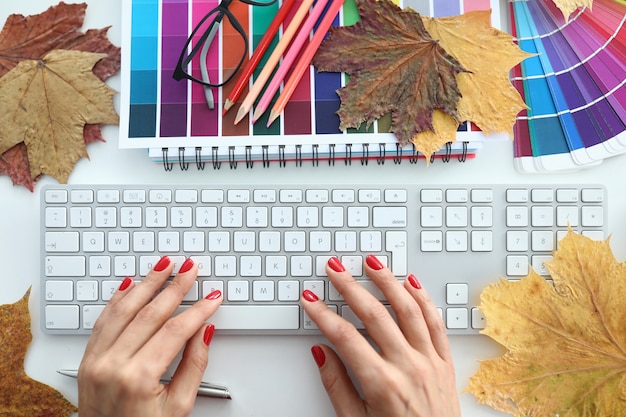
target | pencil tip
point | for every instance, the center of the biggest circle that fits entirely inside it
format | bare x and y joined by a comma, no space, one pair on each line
258,112
273,116
241,114
227,105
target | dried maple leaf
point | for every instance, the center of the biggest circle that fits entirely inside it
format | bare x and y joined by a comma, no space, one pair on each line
46,105
569,6
21,396
30,38
394,66
488,98
566,342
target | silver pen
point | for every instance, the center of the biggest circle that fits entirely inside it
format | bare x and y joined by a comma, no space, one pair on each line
205,389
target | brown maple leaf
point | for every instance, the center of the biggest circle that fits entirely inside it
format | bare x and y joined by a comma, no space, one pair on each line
30,38
46,105
394,66
21,396
566,342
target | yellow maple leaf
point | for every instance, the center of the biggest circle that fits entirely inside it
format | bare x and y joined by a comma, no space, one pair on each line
21,396
566,342
567,7
488,97
46,104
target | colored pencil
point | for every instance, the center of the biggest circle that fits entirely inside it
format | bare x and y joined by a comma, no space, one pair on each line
259,51
305,60
272,61
290,57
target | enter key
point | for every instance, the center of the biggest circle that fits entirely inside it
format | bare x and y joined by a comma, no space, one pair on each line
396,243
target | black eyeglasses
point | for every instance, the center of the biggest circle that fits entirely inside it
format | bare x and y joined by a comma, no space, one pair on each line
208,26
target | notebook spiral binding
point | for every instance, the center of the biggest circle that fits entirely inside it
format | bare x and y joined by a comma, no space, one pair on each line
381,156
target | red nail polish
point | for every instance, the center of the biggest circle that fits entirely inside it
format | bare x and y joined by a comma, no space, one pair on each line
414,282
318,355
310,296
162,264
125,284
373,262
186,266
335,264
214,295
208,334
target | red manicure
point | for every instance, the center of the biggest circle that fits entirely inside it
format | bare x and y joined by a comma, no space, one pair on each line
335,264
414,282
208,334
214,295
186,266
318,355
125,284
373,262
162,264
309,296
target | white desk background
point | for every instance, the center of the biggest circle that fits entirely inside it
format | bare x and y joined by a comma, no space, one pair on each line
268,376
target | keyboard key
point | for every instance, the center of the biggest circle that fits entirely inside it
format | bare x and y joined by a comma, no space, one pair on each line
62,241
389,217
59,291
263,317
62,317
457,318
55,196
65,266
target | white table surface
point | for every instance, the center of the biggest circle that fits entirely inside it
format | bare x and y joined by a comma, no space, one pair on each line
268,376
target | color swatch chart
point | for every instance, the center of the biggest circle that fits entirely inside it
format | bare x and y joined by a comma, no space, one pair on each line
574,86
158,111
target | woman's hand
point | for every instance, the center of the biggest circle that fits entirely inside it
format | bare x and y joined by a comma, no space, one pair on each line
135,340
412,373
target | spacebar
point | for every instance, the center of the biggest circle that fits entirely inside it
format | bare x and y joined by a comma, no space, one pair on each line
273,317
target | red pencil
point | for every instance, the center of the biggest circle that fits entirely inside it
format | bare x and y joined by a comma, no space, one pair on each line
257,55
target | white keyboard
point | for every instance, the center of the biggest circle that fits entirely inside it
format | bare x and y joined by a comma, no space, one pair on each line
262,246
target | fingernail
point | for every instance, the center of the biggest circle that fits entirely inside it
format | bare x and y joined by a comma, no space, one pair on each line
125,284
335,264
414,282
373,262
162,264
310,296
318,355
214,295
186,266
208,334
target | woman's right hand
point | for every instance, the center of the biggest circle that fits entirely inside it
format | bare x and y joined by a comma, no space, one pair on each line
410,375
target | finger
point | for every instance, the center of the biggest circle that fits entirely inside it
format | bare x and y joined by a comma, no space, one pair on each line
163,347
379,323
343,395
432,318
408,312
183,388
358,353
151,317
121,310
125,287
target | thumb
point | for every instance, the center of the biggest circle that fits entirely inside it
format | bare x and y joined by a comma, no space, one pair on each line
188,375
343,395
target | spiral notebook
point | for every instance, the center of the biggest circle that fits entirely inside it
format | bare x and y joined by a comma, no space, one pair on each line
172,120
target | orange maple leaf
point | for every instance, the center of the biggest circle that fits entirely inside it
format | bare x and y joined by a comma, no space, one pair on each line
21,396
566,342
